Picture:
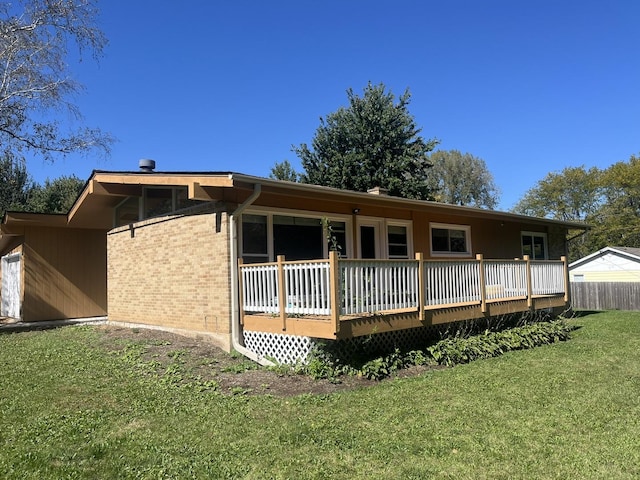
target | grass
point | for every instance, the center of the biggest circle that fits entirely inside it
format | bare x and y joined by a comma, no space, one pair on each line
569,410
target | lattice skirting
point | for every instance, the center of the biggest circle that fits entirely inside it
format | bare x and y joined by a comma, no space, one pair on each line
292,349
288,349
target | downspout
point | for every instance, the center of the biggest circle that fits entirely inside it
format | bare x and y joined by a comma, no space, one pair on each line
235,309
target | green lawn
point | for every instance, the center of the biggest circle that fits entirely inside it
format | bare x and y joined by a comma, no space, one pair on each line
570,410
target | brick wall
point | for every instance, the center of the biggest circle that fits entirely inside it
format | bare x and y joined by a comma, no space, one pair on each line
173,272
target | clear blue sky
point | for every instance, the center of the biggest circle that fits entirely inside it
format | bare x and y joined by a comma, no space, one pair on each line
530,87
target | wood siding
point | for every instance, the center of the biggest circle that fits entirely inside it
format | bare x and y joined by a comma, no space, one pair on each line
493,237
605,295
64,273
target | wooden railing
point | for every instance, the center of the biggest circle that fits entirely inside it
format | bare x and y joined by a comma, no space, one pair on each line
361,287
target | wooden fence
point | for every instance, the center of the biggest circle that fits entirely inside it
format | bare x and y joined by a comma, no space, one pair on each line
605,295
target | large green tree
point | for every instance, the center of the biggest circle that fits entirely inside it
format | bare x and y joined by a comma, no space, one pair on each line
373,142
607,200
571,195
462,179
16,185
284,171
55,196
36,84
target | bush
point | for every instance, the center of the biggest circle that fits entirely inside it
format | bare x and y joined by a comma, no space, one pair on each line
450,351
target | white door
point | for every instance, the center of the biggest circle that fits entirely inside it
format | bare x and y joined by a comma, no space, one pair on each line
10,286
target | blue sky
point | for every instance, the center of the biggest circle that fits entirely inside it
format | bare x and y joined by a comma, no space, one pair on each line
529,87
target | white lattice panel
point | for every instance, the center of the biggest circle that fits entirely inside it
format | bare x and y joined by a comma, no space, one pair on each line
287,349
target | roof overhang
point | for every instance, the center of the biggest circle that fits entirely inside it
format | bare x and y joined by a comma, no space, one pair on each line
94,207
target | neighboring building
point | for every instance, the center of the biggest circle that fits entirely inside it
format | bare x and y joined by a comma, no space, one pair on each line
608,279
164,249
610,264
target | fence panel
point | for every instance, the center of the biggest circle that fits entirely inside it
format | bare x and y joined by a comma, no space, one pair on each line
605,295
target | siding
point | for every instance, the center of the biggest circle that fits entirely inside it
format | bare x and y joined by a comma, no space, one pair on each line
64,273
172,272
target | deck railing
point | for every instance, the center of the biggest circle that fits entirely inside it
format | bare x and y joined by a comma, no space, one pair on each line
377,286
316,287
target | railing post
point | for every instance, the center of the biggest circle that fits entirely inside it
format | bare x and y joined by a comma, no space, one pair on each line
334,282
565,268
483,289
282,292
422,287
527,260
240,291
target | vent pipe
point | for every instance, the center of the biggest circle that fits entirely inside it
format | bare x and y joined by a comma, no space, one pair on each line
147,165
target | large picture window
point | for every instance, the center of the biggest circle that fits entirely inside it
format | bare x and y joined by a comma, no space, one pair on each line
297,237
450,240
534,244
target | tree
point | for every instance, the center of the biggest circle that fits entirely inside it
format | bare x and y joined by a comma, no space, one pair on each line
35,36
607,200
284,171
15,185
56,196
374,142
462,179
570,195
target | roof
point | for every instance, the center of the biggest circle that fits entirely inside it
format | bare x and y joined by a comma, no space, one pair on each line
628,252
107,189
104,190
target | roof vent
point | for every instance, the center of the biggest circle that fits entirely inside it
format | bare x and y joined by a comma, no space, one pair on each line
147,165
378,191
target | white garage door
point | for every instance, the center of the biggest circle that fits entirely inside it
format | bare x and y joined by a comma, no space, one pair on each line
10,286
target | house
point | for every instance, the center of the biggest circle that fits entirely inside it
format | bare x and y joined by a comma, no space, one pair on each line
609,264
267,266
608,279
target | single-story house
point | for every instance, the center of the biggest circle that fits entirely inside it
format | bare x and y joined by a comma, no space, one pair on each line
609,264
267,267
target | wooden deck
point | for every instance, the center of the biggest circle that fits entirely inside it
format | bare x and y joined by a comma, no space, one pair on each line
337,299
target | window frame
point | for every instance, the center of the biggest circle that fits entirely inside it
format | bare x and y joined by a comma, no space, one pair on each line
409,230
270,213
451,226
531,234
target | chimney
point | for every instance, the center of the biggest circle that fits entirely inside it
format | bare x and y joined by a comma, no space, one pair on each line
378,191
146,165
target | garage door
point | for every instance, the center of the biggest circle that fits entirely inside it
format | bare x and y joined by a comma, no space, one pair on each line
11,286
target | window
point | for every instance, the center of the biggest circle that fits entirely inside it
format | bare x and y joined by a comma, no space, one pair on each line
154,202
297,238
578,278
450,240
264,236
534,244
254,239
397,241
337,237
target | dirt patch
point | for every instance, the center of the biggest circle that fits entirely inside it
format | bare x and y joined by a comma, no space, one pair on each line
233,374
